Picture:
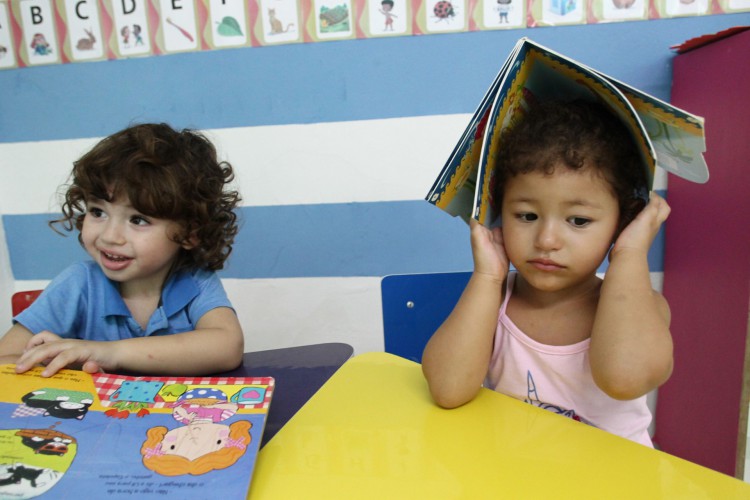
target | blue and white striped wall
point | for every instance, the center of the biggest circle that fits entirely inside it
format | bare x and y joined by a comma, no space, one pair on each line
335,145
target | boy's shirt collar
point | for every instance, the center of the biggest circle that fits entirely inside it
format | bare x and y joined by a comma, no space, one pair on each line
179,290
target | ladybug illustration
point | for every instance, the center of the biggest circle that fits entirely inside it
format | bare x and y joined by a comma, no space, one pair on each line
443,10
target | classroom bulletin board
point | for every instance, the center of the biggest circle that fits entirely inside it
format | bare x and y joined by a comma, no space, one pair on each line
38,32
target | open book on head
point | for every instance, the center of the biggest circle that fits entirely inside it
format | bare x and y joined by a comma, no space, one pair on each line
666,136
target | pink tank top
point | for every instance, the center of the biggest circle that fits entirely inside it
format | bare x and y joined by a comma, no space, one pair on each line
558,379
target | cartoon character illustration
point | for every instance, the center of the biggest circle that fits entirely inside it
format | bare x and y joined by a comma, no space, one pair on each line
88,42
33,460
276,25
137,34
20,473
60,403
125,34
40,45
386,8
203,405
202,444
189,450
46,441
503,7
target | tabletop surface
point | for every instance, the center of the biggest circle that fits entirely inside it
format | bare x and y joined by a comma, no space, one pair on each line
372,431
298,372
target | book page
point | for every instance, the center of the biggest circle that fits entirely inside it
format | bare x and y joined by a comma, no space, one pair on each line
77,435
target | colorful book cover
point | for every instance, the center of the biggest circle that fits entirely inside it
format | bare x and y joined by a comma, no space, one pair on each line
76,435
666,136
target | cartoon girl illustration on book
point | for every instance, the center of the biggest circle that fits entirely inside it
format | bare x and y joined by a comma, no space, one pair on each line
201,445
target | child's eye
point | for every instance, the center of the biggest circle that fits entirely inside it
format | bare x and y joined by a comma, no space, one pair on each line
139,221
95,212
579,221
527,217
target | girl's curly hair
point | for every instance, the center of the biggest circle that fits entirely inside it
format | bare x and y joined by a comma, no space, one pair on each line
167,174
576,134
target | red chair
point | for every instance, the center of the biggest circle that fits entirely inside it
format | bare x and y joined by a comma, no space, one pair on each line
22,300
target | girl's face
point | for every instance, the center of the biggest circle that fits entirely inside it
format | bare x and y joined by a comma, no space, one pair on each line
133,249
558,228
195,440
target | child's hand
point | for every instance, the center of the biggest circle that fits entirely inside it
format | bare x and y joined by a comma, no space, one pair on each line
489,251
640,233
57,353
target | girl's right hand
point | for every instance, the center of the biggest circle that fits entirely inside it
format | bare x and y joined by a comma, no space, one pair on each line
489,251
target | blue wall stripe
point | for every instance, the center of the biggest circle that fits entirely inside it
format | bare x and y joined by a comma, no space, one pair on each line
320,82
353,239
350,239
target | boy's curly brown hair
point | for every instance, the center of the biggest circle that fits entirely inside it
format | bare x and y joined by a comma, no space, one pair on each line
167,174
576,134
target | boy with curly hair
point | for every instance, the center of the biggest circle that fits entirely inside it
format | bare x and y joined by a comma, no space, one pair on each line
153,211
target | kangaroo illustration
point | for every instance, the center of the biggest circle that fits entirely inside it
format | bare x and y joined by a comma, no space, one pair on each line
86,43
276,26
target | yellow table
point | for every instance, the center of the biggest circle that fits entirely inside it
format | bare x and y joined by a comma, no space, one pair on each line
372,431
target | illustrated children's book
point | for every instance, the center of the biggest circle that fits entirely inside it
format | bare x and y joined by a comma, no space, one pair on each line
666,136
82,436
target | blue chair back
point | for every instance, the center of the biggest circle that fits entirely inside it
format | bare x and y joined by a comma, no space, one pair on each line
414,306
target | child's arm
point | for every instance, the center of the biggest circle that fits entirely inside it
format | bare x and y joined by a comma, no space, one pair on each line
215,345
631,346
456,359
13,343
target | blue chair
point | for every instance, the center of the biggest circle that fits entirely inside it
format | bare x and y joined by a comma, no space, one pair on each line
414,306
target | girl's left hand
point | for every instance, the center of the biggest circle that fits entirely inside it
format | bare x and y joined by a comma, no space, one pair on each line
640,233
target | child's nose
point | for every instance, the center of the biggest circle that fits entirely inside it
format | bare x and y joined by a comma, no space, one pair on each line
548,237
113,233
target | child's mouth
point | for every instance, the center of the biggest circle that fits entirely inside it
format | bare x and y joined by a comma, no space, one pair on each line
115,258
114,262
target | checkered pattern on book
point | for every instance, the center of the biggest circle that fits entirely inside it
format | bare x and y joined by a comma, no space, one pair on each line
107,384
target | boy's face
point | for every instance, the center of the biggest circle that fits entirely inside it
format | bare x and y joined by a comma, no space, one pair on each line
133,249
558,228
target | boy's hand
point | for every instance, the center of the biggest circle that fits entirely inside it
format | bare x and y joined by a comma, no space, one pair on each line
57,353
640,233
489,251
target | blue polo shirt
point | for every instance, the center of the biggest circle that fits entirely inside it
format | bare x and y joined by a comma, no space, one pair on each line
82,303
